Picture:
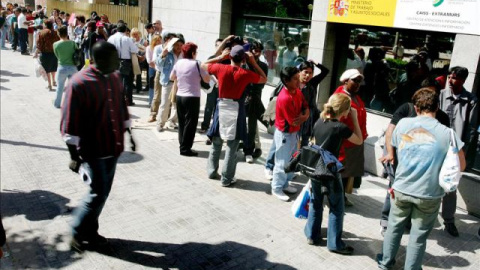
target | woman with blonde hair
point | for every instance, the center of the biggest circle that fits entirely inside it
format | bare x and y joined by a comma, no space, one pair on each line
329,134
156,40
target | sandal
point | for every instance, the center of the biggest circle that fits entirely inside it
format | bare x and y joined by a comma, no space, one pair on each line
347,250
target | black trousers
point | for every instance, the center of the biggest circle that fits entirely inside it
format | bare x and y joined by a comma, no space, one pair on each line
255,110
15,40
188,109
128,87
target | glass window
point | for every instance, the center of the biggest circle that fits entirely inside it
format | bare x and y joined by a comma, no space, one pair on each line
397,62
298,9
285,44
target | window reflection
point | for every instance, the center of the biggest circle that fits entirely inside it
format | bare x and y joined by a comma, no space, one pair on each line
397,63
285,44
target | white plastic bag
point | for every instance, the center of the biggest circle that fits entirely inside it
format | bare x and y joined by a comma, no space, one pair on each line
227,118
39,70
301,204
450,172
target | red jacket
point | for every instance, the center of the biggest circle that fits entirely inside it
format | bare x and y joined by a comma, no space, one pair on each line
362,121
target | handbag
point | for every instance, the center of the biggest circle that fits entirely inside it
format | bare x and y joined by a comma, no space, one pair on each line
203,84
450,173
312,164
135,65
126,67
301,204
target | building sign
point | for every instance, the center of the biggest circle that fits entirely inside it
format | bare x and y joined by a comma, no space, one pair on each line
455,16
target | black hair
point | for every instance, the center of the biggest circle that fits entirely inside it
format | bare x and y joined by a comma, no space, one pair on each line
81,18
121,27
305,65
287,74
62,13
102,50
148,26
62,31
218,40
49,24
302,46
256,45
461,72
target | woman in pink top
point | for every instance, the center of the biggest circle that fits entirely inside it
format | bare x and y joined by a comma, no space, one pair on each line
188,74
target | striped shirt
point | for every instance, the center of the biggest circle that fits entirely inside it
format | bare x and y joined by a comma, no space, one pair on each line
94,114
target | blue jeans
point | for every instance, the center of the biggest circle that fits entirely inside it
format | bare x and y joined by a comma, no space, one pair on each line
4,32
63,72
423,213
85,216
270,160
335,217
230,162
209,108
285,145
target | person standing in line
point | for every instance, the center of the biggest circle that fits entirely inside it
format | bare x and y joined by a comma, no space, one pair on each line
255,108
14,28
461,107
329,133
421,144
155,40
171,53
157,86
125,47
211,99
398,50
232,81
94,119
351,155
64,50
290,113
188,96
49,61
30,30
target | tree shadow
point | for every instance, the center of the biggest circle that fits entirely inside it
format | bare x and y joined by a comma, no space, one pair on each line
191,255
36,205
4,88
12,74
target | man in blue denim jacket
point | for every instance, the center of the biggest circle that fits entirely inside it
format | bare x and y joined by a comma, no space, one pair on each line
170,55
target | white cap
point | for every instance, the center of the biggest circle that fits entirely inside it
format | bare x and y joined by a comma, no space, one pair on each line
350,74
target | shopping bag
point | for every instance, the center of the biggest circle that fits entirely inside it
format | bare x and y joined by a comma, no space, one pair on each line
450,172
39,70
300,205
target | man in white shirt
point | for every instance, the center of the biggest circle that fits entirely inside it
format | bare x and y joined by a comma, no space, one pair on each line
125,48
23,31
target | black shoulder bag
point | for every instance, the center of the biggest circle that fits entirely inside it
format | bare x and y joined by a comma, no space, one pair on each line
203,84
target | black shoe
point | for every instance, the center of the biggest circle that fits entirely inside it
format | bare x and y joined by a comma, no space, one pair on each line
257,153
208,142
347,250
451,229
25,53
189,153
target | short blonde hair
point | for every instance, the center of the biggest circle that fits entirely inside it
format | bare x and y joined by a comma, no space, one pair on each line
337,104
135,32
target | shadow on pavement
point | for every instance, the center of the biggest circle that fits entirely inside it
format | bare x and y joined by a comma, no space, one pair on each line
225,255
129,157
35,205
4,88
365,246
33,145
12,74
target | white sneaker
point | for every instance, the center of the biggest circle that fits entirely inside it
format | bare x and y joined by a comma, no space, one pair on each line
280,195
290,190
172,125
268,174
249,159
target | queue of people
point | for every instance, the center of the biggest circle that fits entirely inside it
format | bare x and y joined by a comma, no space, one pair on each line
175,77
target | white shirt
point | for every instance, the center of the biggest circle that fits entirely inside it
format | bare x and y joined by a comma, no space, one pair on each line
124,45
21,19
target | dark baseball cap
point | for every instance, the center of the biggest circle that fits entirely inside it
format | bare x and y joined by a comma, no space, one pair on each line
237,51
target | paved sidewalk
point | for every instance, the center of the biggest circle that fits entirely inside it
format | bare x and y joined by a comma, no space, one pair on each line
163,211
